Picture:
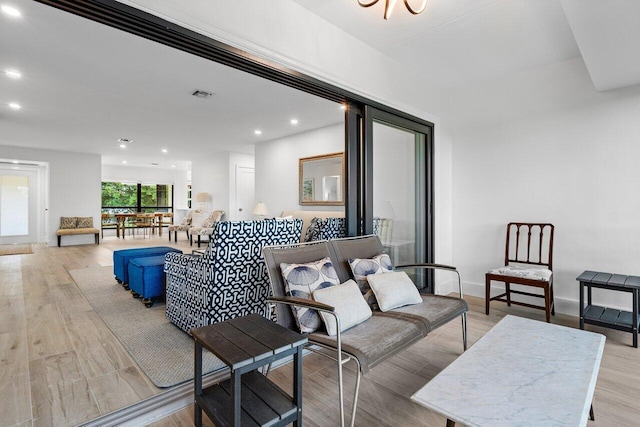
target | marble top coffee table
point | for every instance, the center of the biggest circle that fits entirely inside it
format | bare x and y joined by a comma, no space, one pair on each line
521,373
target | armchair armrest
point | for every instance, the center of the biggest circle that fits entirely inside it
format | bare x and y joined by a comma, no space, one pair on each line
302,302
431,266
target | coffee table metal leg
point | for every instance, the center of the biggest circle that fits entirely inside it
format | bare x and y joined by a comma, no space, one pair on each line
592,417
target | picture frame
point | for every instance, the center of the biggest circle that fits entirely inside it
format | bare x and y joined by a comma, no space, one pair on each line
308,190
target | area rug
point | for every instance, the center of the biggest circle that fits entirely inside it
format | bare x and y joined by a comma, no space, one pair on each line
16,249
160,349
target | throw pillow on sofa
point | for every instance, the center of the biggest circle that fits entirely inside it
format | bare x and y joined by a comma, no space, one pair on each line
361,268
301,280
349,305
67,222
85,222
393,290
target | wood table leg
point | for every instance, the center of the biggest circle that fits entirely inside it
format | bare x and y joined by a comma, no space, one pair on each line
450,423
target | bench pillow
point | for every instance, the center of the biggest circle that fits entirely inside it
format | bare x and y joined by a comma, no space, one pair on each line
85,222
67,222
394,290
301,280
361,268
349,305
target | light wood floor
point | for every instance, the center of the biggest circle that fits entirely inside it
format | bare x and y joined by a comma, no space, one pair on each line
60,365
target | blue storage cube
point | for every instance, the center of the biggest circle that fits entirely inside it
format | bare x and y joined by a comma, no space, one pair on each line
146,277
122,257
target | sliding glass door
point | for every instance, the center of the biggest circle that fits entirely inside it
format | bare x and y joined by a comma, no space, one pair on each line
398,188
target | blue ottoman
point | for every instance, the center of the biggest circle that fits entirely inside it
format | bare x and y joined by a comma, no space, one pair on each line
146,278
121,260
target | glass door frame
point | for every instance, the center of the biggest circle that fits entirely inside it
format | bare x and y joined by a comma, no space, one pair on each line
424,181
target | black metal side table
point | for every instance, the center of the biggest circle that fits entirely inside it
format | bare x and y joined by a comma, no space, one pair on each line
609,317
245,344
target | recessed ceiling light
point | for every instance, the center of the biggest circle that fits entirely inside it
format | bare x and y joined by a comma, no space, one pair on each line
11,11
15,105
154,164
123,145
173,166
294,121
124,162
15,162
257,132
14,74
164,150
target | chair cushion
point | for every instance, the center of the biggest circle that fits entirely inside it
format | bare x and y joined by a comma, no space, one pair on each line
375,340
349,305
533,273
433,312
393,290
361,268
301,280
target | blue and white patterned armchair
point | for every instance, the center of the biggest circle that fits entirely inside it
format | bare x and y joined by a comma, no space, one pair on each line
326,229
230,279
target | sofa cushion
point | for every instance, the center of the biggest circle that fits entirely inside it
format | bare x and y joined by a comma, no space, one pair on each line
349,305
361,268
85,222
393,290
67,222
301,280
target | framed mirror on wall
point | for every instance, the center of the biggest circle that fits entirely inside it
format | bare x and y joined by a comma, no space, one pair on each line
321,180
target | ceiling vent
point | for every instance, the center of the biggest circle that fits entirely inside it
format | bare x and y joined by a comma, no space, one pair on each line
201,94
125,140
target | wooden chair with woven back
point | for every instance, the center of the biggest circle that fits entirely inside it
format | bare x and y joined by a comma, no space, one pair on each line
528,261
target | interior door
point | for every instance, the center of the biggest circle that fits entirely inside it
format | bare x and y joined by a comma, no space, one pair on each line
245,193
18,206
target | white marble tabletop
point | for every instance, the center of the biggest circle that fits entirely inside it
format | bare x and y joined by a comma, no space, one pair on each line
521,373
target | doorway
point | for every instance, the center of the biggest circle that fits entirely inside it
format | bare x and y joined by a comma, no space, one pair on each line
20,201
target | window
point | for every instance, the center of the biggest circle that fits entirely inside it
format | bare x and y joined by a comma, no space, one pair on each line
123,197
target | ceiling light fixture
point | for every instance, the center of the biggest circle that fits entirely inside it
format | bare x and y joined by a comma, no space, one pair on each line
11,11
14,74
123,145
294,121
173,166
164,150
201,94
125,141
15,105
124,162
257,132
390,4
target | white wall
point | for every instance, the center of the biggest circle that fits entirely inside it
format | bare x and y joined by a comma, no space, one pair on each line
74,188
177,178
216,175
545,146
277,167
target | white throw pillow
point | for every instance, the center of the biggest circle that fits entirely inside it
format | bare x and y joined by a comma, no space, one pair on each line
301,280
349,305
393,290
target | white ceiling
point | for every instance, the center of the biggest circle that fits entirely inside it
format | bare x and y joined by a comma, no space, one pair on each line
85,85
459,42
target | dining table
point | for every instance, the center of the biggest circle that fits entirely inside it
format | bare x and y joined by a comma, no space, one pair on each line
121,219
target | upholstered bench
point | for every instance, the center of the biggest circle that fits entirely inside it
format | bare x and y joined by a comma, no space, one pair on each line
73,225
147,278
122,258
